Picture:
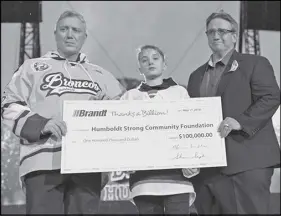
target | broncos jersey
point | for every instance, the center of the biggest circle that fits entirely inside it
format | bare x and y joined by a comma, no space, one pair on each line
36,94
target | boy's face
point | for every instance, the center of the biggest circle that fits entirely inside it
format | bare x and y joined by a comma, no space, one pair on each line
151,63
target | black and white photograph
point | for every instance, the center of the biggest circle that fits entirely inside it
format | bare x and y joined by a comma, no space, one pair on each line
140,107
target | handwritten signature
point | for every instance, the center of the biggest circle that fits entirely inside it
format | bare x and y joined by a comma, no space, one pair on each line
197,155
190,146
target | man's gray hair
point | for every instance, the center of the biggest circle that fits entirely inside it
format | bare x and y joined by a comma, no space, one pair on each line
71,13
225,16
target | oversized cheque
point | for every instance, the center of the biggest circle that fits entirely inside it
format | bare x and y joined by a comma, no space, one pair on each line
139,135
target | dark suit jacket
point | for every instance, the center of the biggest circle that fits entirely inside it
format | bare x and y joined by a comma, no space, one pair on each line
250,95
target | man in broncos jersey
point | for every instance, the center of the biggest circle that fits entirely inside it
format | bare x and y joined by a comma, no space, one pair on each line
32,107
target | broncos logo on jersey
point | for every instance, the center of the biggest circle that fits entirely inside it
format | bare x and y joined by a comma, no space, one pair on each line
58,84
40,66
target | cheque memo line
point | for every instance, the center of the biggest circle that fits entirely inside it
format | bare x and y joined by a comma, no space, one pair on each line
152,127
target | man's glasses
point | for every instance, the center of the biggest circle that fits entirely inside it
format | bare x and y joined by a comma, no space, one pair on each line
221,32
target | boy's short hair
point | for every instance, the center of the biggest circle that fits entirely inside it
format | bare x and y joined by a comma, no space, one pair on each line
145,47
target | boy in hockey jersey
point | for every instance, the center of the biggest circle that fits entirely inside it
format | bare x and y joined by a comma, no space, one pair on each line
32,107
159,191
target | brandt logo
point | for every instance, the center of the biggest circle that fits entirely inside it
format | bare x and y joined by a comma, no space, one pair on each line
85,113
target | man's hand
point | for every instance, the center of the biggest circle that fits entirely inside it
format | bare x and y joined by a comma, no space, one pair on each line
56,128
190,172
100,96
227,125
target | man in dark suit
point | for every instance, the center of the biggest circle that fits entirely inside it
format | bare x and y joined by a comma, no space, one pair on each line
250,96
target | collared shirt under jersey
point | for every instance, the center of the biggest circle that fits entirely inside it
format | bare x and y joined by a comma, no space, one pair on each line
213,75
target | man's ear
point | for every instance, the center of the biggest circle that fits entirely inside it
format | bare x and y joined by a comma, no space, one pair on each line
165,66
235,36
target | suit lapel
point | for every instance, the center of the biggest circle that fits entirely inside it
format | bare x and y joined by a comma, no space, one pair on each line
199,79
227,74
